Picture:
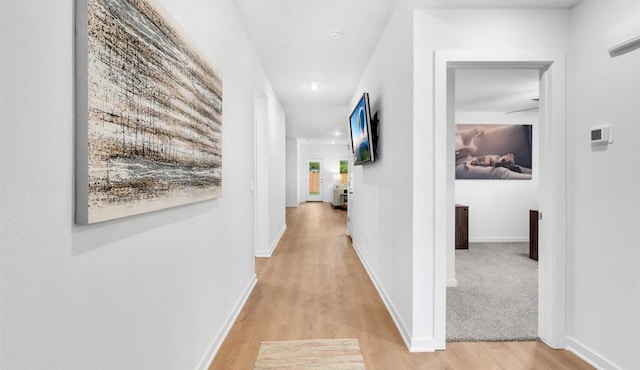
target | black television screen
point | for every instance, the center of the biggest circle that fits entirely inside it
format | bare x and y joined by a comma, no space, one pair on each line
361,134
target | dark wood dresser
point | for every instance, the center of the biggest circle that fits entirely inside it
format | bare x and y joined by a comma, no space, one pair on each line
462,226
533,234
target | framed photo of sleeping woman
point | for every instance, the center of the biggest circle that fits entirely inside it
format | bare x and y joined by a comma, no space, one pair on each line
493,152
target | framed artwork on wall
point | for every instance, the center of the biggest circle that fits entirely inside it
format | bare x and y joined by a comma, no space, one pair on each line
149,113
493,152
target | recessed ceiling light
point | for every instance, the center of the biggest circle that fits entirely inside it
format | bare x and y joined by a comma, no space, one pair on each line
335,35
337,133
314,86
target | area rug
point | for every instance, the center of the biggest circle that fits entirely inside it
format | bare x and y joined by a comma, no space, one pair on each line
335,354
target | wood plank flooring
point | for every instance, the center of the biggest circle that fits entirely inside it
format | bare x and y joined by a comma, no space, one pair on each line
315,287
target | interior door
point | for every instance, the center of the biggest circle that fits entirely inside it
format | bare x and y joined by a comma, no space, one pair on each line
315,180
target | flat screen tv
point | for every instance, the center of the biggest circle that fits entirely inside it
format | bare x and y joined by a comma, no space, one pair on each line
362,140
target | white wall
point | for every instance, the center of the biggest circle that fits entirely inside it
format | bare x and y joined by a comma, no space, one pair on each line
270,172
293,184
603,273
499,210
381,206
149,291
261,111
332,154
277,172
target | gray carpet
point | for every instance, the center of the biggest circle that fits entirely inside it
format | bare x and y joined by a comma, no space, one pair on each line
497,294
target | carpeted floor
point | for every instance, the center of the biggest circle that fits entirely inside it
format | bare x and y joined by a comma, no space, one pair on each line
336,354
497,294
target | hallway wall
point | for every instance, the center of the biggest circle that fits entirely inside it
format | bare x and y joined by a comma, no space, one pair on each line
270,171
603,258
151,291
293,165
381,207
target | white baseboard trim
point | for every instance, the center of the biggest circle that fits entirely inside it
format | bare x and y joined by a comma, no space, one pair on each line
413,344
452,283
269,253
588,355
224,331
422,345
505,239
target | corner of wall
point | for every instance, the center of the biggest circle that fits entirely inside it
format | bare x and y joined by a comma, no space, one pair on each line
226,327
397,320
274,244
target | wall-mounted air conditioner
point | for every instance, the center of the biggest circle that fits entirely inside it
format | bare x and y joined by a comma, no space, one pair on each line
624,38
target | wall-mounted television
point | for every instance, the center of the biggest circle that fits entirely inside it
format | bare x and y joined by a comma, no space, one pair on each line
362,132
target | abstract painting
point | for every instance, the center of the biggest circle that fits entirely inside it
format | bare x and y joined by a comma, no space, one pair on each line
150,113
494,152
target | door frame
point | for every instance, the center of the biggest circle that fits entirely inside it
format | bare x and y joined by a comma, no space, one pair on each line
552,184
306,178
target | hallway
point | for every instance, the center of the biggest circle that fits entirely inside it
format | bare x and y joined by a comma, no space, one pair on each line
314,286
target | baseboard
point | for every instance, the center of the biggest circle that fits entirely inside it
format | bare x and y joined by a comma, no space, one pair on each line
422,345
269,253
413,344
224,331
451,283
501,239
588,355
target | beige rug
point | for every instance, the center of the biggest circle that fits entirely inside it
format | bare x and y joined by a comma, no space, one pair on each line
342,354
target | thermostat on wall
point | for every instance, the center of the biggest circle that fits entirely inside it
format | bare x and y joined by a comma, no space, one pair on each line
602,135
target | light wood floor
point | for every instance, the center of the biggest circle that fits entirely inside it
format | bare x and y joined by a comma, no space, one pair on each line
314,286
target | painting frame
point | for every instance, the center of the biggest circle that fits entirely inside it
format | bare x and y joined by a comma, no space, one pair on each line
493,151
148,125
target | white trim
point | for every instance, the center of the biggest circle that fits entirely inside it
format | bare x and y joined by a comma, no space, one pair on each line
224,331
422,345
553,197
551,272
413,344
500,239
269,253
589,356
452,283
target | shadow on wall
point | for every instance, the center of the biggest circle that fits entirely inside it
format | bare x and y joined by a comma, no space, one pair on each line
86,238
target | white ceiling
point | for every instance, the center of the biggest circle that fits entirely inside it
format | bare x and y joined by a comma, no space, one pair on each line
496,90
292,40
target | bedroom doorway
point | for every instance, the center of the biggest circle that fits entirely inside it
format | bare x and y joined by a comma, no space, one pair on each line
552,183
496,184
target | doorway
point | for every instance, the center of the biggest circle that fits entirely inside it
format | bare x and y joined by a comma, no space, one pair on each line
551,272
315,180
492,291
